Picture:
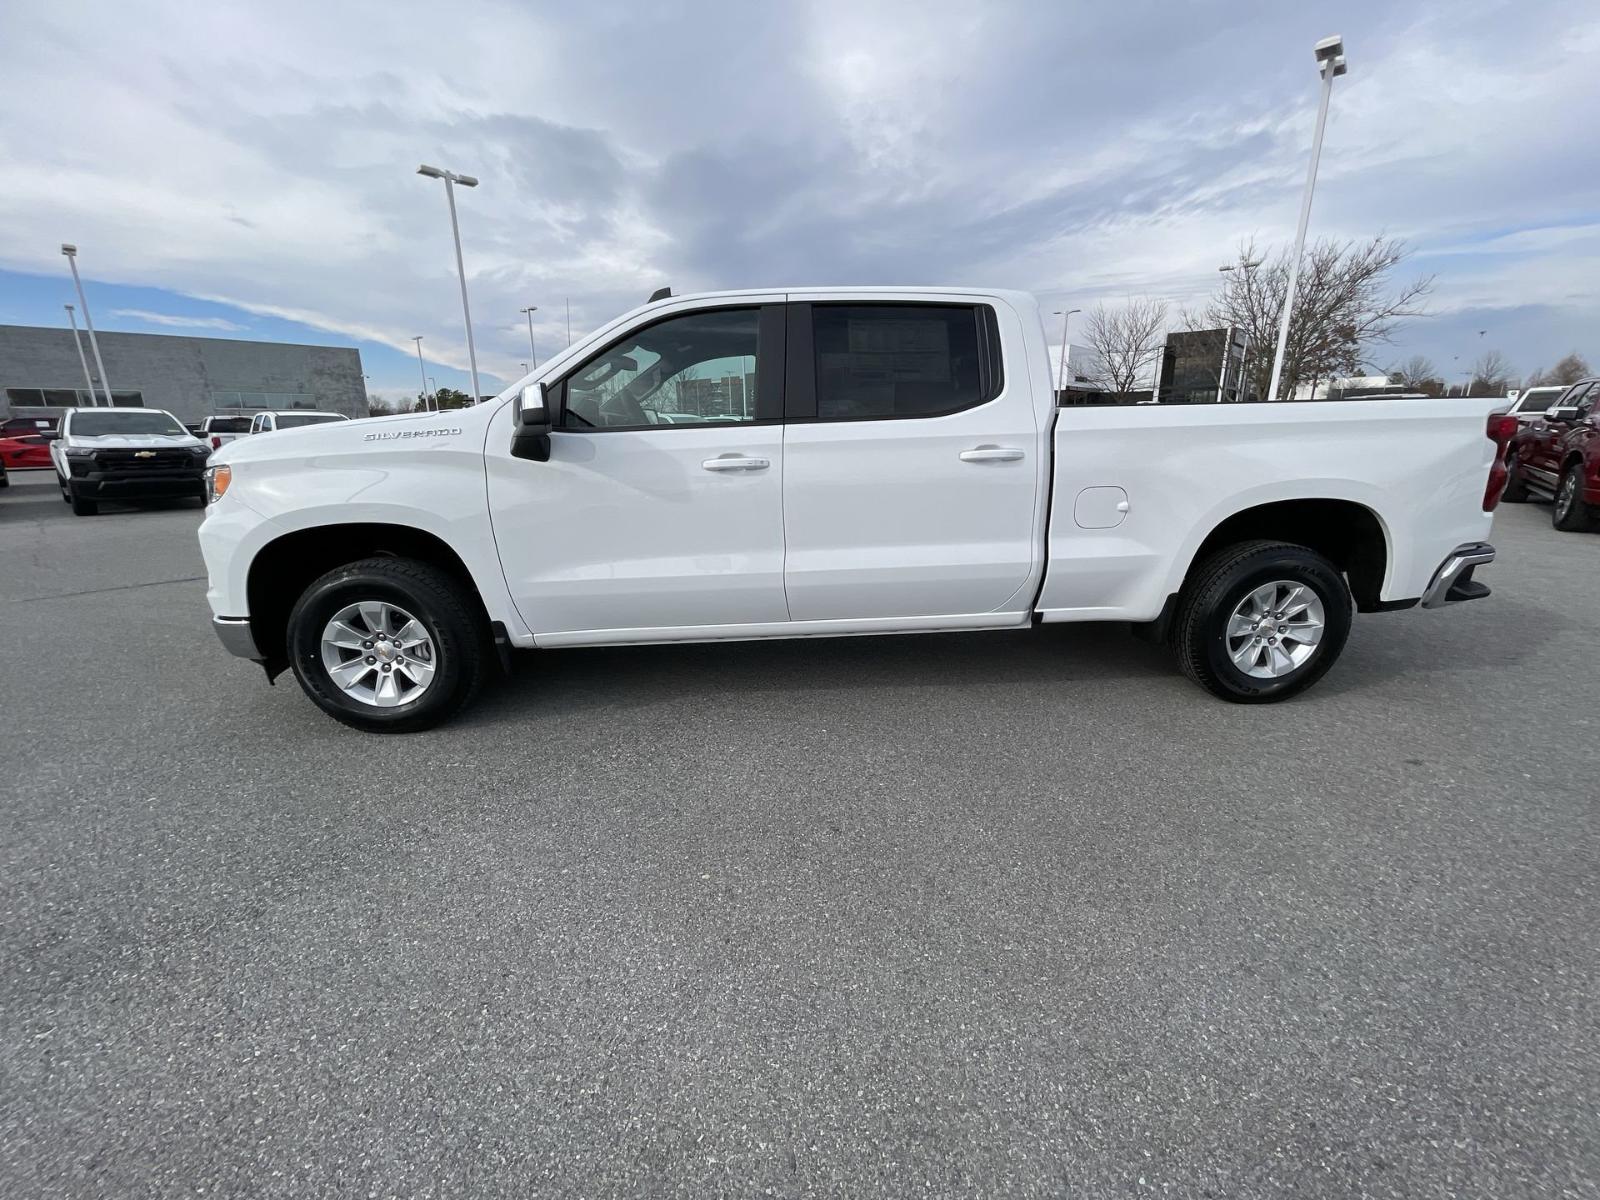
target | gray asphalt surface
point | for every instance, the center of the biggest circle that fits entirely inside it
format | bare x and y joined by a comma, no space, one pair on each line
972,915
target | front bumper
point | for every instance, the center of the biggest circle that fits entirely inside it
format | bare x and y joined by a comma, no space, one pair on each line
1453,580
151,485
237,638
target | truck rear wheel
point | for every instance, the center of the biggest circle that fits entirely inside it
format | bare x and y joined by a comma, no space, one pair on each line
388,645
1261,621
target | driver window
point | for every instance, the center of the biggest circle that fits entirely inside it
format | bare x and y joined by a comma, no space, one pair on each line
696,369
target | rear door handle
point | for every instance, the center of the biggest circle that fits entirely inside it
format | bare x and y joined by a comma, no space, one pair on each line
991,454
736,462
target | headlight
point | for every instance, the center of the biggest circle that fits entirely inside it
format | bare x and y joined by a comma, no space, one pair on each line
79,451
217,481
202,451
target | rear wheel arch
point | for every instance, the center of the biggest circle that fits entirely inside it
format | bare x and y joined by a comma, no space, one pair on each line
283,569
1347,533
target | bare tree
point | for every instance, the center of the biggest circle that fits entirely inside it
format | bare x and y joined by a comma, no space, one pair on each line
1345,306
1491,375
1419,374
1126,340
1568,371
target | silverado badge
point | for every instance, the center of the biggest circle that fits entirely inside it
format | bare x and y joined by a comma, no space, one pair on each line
144,453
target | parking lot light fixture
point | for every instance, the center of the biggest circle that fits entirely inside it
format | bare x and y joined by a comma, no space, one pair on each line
1066,320
528,312
423,371
78,342
1330,63
450,180
71,252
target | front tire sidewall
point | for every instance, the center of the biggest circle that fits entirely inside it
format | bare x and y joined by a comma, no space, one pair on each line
1516,491
1571,514
452,639
1302,567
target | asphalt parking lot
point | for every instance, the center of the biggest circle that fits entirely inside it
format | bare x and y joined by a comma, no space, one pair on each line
971,915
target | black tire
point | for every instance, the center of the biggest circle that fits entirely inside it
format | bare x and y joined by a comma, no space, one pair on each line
447,611
1571,513
1220,583
82,506
1516,486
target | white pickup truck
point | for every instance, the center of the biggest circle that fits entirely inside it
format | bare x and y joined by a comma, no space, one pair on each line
834,461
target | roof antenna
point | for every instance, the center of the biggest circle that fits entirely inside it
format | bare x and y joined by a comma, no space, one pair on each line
659,294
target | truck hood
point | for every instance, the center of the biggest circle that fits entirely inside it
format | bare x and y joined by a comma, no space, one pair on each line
343,437
132,441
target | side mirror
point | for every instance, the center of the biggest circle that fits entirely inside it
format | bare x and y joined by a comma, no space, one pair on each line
531,437
1561,412
49,435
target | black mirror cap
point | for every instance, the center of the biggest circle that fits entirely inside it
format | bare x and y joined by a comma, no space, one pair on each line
1561,412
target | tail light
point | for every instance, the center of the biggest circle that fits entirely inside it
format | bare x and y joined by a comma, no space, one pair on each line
1500,429
216,442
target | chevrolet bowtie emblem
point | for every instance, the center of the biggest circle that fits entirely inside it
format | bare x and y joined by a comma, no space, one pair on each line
144,454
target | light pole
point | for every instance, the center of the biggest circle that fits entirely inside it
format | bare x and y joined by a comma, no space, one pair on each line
524,368
82,361
1066,321
1245,266
569,320
450,180
71,252
423,371
528,312
1330,63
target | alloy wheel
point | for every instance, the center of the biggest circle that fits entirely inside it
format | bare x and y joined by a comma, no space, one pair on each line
378,654
1275,629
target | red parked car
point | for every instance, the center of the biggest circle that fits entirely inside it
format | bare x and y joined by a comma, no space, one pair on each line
18,453
1558,456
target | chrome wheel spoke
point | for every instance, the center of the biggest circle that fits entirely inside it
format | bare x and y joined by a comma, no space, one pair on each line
1246,654
348,674
416,670
1296,602
342,634
1240,625
374,614
410,634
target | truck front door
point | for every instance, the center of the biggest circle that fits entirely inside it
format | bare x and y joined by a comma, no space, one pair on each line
662,503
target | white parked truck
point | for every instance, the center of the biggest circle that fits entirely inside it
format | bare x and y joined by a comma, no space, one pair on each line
818,462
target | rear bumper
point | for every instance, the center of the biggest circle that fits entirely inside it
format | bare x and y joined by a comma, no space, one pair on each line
236,637
1453,580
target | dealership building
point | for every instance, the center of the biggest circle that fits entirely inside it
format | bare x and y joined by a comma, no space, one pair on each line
41,374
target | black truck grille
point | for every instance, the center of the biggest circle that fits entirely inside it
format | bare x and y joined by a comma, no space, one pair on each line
145,460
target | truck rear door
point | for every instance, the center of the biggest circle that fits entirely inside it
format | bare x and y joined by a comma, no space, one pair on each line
911,446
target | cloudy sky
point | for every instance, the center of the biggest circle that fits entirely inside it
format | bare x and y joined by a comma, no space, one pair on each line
247,169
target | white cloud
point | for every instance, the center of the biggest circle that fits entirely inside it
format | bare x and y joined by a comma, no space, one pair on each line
175,321
263,154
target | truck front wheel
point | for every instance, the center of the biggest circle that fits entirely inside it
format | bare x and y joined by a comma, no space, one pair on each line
388,645
1261,621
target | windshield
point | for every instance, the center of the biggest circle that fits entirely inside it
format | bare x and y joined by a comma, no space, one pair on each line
100,424
228,425
290,420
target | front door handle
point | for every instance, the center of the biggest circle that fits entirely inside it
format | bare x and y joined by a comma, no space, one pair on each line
736,462
991,454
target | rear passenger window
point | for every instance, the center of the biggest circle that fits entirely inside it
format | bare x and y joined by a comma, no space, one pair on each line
899,360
